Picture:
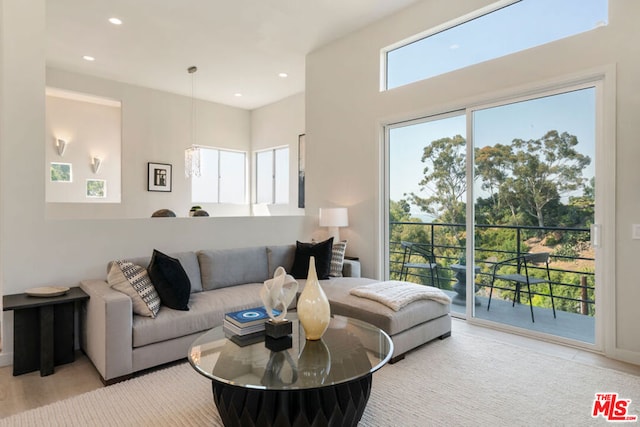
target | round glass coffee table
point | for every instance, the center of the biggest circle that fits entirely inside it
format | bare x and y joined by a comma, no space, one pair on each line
292,381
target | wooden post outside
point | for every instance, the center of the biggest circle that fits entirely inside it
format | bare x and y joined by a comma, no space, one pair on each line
584,306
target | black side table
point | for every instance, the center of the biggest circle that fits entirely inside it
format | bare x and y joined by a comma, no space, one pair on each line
43,330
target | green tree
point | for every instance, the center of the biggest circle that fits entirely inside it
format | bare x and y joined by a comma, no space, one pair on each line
492,164
530,177
445,181
410,229
581,209
544,170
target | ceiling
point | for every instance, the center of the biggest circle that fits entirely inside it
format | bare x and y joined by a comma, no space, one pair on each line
239,46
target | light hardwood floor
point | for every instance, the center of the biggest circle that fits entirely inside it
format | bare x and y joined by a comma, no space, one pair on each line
28,391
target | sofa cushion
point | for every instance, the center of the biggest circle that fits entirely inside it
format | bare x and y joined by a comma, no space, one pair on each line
280,256
207,310
133,280
188,260
229,267
170,280
337,258
321,251
392,322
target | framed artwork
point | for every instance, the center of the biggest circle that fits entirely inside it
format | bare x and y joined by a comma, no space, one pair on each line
302,148
61,172
159,177
96,188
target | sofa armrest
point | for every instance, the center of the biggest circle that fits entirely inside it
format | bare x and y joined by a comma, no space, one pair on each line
106,335
351,268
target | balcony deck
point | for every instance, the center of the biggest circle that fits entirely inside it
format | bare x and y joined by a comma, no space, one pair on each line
572,272
568,325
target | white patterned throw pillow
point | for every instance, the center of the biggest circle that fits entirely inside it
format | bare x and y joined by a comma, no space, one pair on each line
134,281
337,258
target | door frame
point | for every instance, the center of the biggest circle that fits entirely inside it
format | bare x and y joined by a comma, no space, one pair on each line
604,80
604,218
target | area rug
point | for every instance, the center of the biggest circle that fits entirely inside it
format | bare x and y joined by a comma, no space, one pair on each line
464,380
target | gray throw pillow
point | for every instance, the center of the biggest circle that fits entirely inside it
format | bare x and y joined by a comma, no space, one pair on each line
280,256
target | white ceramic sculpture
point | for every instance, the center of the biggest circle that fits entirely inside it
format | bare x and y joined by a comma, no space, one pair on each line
277,293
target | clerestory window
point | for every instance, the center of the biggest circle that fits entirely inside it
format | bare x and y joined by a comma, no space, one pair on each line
504,28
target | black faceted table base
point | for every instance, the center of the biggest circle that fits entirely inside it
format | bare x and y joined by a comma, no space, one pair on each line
337,405
298,382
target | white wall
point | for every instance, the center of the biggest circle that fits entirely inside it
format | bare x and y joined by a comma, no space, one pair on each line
21,134
345,110
156,127
91,129
38,251
276,125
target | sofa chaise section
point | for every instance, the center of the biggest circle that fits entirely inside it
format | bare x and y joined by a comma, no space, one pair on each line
413,325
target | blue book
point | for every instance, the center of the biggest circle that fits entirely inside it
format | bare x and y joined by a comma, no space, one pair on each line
249,317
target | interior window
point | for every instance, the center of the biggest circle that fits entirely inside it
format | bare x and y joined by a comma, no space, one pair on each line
222,177
272,176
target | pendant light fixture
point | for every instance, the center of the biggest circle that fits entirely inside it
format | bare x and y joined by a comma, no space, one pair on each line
192,154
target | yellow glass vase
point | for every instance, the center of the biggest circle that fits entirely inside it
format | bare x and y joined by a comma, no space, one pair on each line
314,311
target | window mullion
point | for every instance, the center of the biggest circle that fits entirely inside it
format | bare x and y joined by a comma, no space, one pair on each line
219,175
273,176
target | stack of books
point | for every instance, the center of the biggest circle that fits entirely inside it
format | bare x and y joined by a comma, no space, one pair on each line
245,322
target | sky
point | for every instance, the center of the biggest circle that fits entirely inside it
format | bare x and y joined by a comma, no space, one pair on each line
490,37
522,25
572,112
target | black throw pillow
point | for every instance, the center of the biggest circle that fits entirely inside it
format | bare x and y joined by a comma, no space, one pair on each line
170,280
322,253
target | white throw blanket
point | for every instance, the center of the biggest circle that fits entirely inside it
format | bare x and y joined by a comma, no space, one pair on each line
396,294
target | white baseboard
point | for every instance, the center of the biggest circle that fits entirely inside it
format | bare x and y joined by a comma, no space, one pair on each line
6,359
628,356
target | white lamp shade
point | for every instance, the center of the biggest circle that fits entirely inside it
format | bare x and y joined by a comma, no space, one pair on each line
334,217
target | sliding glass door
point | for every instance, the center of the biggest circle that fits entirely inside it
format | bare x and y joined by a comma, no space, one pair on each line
502,198
427,189
534,200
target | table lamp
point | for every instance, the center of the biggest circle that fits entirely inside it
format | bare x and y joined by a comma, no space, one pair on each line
334,218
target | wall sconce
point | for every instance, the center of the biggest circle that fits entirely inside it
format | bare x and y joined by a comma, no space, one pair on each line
334,218
96,162
61,146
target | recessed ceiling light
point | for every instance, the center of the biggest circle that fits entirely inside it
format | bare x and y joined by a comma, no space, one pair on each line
237,94
88,58
115,21
283,75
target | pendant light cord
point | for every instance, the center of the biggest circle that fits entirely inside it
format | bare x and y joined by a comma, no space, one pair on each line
192,71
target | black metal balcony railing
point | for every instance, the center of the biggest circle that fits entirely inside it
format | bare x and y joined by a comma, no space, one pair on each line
573,288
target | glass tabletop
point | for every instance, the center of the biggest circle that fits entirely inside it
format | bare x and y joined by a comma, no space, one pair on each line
349,349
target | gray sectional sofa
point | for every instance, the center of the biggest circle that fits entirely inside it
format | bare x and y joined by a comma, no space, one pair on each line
120,343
